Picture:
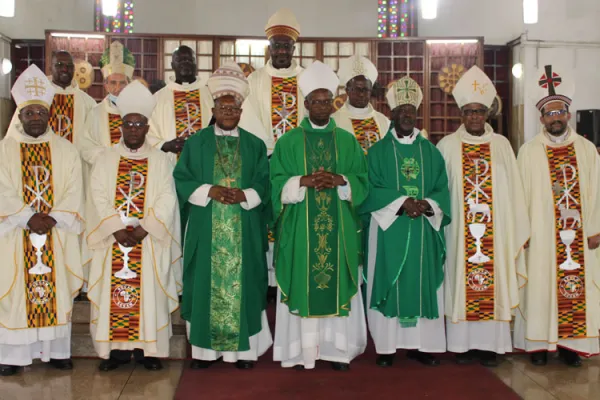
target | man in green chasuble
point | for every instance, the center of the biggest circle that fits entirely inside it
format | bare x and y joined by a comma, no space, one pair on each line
319,176
222,180
408,205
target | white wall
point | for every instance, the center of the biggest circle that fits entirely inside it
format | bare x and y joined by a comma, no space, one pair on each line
502,21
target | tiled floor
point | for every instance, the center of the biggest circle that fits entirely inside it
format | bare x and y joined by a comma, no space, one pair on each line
41,382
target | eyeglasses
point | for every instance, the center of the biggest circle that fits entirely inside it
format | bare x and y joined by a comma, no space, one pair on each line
359,90
321,102
137,124
41,113
229,110
555,113
480,112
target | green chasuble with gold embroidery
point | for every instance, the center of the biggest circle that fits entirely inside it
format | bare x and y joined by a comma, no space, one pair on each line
225,271
410,253
318,239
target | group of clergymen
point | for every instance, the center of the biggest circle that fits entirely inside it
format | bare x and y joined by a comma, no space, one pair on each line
148,207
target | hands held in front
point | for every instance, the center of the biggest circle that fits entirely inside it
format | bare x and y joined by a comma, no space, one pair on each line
415,208
130,237
594,242
41,223
174,146
322,179
227,196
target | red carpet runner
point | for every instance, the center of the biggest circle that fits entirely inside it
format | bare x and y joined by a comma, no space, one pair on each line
406,379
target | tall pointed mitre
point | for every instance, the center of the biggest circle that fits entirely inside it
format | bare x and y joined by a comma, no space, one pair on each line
554,84
474,87
136,99
283,23
354,66
228,80
117,59
318,76
33,87
404,91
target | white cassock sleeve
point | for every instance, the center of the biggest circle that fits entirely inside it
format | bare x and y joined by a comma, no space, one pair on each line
293,193
18,220
200,197
386,216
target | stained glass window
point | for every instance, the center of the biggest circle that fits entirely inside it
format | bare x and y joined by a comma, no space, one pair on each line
120,23
395,18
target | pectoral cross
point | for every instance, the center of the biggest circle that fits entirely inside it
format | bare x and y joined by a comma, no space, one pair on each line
228,181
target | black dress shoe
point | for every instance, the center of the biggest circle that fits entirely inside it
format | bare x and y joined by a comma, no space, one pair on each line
152,364
201,364
423,358
338,366
539,358
465,358
385,360
111,364
8,370
569,357
488,359
244,364
64,365
299,367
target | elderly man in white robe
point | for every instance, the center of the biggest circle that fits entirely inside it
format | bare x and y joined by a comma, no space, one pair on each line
40,223
135,274
358,74
485,263
561,177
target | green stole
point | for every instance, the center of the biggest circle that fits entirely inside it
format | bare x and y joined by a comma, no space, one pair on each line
226,255
318,239
410,253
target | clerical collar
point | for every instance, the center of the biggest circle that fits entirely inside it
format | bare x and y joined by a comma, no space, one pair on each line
293,70
184,86
406,139
315,126
358,112
558,139
222,132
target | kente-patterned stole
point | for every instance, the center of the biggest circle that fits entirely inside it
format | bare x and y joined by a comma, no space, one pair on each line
114,127
62,115
188,112
284,105
366,132
38,193
126,294
570,242
479,231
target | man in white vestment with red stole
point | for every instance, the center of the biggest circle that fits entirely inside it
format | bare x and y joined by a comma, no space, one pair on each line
561,178
485,264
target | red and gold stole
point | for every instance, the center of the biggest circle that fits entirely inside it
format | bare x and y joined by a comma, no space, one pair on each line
366,132
570,272
188,112
126,294
114,127
62,115
38,193
479,231
284,105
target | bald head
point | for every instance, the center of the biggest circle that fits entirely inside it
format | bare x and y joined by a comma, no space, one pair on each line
184,65
63,68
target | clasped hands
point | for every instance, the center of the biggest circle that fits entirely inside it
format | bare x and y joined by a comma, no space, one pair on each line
129,236
174,146
227,196
41,223
415,208
322,179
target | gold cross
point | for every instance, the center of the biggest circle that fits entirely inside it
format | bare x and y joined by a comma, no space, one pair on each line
35,86
228,181
475,85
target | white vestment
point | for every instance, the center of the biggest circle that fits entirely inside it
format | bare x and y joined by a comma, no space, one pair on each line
344,116
536,325
20,345
388,335
161,252
511,232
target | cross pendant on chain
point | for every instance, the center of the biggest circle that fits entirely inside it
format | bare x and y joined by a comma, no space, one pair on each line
228,181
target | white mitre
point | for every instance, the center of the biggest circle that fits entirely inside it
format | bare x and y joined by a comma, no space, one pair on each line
136,99
354,66
318,76
474,87
33,87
